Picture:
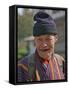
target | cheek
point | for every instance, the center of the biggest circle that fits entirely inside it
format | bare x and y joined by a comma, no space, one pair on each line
38,46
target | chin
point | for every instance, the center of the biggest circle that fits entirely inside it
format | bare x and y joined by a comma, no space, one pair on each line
46,54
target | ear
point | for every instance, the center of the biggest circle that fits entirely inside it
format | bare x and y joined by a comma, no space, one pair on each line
56,38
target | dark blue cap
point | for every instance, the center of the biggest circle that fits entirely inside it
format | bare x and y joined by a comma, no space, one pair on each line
44,24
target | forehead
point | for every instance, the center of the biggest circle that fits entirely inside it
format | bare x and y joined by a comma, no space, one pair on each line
45,36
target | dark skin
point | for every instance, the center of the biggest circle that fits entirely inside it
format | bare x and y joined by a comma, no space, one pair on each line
45,45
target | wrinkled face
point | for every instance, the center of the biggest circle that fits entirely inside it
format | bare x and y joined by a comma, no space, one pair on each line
45,45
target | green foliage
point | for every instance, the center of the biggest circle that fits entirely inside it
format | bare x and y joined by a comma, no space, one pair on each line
22,52
25,24
25,27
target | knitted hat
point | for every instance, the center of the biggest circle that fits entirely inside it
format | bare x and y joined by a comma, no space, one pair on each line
44,24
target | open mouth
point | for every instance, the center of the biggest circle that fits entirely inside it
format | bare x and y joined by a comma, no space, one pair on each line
44,50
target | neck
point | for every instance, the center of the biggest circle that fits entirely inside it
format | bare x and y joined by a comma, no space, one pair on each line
49,57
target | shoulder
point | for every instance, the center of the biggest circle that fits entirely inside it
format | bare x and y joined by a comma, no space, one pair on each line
24,62
26,59
23,68
59,58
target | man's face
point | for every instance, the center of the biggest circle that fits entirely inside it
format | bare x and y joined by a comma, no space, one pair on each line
45,45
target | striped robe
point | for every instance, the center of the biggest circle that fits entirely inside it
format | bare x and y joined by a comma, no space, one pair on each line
41,71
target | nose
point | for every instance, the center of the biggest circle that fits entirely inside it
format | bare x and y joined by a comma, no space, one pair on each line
45,44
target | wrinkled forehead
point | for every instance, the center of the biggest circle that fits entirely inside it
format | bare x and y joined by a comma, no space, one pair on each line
45,36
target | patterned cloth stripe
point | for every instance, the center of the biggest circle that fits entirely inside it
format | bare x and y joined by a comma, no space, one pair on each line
59,76
52,70
37,75
23,66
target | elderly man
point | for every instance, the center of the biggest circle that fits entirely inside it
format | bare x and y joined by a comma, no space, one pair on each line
44,64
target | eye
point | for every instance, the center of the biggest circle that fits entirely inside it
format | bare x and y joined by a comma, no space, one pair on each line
39,40
48,39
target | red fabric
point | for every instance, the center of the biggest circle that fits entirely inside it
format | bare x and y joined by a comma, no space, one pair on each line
46,62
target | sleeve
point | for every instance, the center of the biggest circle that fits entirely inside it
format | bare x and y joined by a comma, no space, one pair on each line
61,64
61,61
22,74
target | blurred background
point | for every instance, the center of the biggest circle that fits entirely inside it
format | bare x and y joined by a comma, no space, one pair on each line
25,29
